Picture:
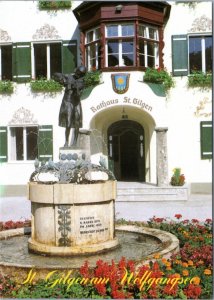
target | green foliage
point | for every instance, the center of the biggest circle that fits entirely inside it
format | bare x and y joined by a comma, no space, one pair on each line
177,179
92,78
6,87
44,85
200,79
54,4
43,289
160,76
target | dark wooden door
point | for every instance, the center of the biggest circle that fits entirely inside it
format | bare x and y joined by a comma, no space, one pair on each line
126,150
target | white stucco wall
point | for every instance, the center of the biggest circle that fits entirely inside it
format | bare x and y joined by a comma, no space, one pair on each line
181,111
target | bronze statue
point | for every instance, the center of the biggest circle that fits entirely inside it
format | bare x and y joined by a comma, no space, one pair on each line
70,114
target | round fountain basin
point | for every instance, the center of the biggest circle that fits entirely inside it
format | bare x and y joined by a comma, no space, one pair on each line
139,244
70,219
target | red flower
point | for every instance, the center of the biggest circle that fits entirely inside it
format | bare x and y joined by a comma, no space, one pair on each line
178,216
195,221
131,265
208,221
122,263
101,289
192,291
185,221
169,290
153,293
118,294
84,270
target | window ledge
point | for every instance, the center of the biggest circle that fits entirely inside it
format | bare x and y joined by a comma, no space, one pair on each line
126,68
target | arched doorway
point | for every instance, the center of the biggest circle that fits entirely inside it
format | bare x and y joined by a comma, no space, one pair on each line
126,150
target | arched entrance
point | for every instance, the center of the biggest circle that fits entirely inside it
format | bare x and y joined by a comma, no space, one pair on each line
126,150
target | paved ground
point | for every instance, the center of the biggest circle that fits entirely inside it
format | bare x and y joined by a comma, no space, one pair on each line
197,207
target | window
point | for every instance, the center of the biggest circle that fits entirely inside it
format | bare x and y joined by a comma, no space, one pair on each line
23,143
148,46
5,62
93,49
120,45
206,139
200,53
46,60
191,53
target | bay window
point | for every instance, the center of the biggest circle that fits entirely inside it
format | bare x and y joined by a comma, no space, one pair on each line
122,47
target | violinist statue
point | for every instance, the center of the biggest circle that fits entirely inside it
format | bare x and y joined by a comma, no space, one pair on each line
70,114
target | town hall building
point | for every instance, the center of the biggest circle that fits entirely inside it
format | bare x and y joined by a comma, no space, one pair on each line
143,128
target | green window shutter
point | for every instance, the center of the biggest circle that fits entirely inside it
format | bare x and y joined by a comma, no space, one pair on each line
206,139
21,62
179,55
69,56
3,144
45,142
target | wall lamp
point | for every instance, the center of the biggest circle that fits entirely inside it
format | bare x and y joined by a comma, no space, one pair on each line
118,8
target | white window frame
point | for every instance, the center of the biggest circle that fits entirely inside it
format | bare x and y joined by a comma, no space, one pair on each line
2,44
155,41
118,38
10,149
47,43
87,48
202,36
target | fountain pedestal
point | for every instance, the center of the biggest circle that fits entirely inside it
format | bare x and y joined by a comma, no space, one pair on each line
72,219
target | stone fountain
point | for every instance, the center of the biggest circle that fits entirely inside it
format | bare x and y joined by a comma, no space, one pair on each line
70,218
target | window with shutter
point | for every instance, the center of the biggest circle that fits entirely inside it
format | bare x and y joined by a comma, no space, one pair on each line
179,55
45,142
69,56
23,143
46,59
206,139
3,144
21,62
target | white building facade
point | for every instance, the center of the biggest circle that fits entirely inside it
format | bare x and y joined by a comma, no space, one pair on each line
142,131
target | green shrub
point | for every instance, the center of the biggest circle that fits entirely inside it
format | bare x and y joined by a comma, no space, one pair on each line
200,79
160,76
177,179
92,78
54,4
44,85
6,87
